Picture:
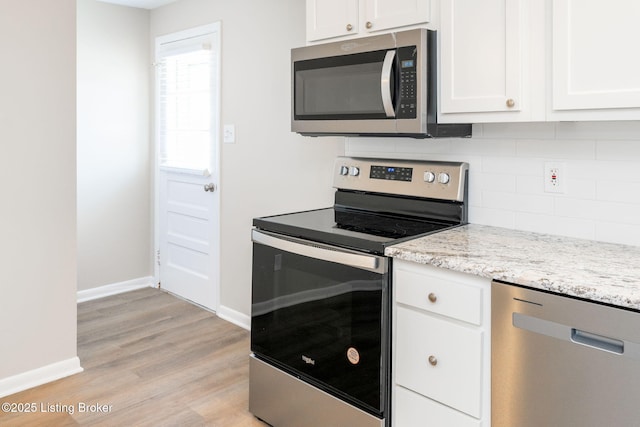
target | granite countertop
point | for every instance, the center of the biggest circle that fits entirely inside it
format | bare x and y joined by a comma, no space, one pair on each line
596,271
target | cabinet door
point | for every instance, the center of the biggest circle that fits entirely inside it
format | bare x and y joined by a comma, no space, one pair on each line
480,53
596,64
331,18
385,14
439,359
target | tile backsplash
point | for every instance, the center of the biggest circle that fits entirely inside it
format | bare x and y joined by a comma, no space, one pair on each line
506,175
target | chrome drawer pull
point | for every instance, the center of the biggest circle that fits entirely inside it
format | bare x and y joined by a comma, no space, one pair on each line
432,297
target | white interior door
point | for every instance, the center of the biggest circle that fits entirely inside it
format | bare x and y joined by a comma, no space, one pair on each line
187,220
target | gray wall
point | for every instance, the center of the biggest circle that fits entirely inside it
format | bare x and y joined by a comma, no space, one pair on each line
37,184
114,68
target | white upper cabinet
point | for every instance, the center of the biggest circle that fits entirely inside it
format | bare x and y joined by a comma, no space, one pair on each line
486,61
532,60
595,60
386,14
331,18
343,18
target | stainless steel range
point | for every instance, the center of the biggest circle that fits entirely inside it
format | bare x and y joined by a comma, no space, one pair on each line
321,291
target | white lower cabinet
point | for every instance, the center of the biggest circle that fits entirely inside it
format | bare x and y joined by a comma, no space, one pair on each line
414,410
441,347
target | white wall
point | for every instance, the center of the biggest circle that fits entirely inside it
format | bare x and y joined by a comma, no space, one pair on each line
268,170
114,66
38,188
506,185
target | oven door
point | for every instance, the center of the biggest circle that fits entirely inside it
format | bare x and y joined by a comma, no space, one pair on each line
322,315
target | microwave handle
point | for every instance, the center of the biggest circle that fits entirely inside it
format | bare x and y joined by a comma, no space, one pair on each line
385,83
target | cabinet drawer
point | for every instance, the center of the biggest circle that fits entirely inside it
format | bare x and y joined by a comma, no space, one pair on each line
452,299
439,359
414,410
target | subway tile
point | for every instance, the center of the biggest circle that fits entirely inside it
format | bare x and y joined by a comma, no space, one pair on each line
551,224
422,146
493,182
493,217
618,191
484,147
618,233
618,150
598,130
553,149
577,208
602,199
533,130
513,166
517,202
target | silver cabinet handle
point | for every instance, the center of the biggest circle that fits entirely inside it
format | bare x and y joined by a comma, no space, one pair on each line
433,361
211,187
385,83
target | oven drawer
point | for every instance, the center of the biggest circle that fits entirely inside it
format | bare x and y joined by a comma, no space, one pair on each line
412,409
439,359
439,295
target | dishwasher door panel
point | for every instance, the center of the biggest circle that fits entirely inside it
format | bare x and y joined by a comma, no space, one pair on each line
558,361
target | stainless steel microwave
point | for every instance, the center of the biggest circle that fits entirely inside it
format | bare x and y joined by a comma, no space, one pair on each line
383,85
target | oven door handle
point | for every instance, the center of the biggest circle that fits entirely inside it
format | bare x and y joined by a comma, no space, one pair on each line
354,259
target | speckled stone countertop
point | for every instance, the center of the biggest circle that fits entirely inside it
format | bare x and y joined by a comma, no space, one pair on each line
597,271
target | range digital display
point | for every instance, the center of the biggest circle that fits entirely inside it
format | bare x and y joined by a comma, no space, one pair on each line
391,173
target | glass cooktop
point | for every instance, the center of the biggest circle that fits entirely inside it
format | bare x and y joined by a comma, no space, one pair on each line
365,231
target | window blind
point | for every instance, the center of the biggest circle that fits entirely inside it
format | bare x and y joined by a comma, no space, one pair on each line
185,103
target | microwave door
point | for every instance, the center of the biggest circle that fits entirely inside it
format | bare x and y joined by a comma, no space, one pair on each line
345,94
387,83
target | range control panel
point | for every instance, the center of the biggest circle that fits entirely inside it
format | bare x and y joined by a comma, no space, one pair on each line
428,179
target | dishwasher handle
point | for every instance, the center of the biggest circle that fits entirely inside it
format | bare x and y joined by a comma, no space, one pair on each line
567,333
597,341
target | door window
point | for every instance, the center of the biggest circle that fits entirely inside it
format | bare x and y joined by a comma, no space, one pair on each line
185,107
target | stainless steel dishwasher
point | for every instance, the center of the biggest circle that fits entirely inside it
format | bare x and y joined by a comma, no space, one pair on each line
561,362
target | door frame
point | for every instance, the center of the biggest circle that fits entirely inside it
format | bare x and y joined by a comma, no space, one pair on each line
215,27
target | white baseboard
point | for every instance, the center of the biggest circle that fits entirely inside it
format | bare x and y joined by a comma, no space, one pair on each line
39,376
235,317
114,289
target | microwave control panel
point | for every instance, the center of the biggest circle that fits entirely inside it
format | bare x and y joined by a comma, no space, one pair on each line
407,63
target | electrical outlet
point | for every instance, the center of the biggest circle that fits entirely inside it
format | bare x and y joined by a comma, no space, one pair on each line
555,177
229,134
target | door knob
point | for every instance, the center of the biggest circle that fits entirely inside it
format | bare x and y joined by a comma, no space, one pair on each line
211,187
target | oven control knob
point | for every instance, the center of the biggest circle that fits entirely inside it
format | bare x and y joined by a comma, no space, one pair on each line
344,170
429,177
354,171
443,178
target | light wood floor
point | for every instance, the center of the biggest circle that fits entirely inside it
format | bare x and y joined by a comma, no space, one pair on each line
157,360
